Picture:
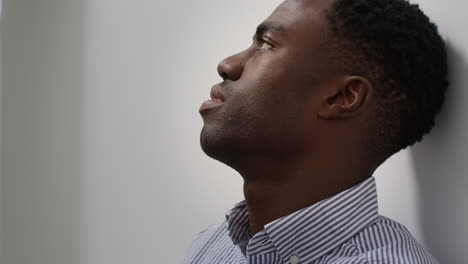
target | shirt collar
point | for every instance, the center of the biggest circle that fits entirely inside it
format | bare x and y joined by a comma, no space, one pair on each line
237,220
311,232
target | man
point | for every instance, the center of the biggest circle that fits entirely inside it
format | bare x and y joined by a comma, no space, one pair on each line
327,92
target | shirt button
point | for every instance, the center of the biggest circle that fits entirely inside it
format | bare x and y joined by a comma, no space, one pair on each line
294,259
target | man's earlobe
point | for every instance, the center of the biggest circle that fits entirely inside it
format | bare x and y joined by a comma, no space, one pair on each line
350,97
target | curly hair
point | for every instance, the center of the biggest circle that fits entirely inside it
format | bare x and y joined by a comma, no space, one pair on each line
396,46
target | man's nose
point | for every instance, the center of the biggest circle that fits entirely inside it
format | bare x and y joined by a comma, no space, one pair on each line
231,68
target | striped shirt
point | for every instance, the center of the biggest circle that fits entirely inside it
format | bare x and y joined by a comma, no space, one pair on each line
344,228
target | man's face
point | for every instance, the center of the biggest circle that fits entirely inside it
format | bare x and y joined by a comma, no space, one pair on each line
272,89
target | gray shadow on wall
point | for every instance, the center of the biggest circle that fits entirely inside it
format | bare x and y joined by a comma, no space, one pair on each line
41,122
441,168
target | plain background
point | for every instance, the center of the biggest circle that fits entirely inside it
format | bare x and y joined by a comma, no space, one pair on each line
100,155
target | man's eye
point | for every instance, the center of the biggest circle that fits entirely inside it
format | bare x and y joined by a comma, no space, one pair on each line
265,45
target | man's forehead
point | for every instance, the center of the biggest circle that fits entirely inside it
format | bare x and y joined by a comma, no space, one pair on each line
316,4
293,13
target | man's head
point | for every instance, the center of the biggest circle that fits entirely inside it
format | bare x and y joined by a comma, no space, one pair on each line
329,77
397,47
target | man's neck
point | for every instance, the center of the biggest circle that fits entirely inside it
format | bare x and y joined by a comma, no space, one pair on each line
277,192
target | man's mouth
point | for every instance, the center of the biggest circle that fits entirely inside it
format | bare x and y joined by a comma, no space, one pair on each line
209,104
216,94
217,99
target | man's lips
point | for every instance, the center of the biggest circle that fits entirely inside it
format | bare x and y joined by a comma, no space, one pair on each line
216,94
208,104
217,99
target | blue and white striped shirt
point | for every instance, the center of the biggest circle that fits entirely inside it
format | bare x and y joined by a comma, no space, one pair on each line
344,228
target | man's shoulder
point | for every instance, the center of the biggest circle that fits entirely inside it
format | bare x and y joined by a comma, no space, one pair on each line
204,238
387,241
208,232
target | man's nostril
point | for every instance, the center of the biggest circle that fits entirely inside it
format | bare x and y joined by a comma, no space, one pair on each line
224,76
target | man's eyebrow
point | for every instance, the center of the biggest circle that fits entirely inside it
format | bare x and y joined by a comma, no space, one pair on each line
269,26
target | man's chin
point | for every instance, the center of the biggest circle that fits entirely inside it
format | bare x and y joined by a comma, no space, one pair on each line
210,143
216,146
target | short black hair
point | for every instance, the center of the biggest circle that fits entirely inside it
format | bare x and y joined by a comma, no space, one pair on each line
396,46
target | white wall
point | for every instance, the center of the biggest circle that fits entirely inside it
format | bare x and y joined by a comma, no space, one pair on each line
42,81
100,151
1,196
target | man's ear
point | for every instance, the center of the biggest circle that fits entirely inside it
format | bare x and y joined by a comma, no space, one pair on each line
347,98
